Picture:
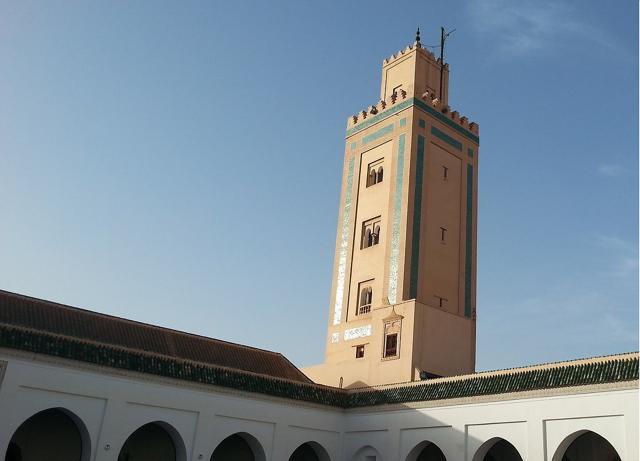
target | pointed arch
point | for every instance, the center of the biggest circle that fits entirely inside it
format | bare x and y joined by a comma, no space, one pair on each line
55,434
497,449
585,445
310,451
240,446
426,451
154,441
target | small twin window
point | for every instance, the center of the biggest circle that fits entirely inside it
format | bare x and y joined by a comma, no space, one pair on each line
375,172
360,351
370,233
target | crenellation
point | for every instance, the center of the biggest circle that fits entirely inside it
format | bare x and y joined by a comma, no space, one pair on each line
418,48
428,97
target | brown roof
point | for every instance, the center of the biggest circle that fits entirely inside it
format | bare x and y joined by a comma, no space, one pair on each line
93,327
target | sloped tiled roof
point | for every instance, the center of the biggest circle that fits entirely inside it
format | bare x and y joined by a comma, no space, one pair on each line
67,338
85,326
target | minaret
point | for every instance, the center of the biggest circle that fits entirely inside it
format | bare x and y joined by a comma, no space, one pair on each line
403,296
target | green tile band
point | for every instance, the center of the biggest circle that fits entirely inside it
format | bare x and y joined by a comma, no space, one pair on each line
446,138
378,134
612,369
344,246
420,104
468,266
417,218
395,224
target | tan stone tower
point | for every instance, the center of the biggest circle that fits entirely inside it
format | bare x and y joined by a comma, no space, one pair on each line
403,296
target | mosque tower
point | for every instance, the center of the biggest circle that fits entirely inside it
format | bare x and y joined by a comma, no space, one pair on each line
404,278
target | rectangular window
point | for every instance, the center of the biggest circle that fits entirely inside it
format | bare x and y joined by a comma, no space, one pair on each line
391,345
443,233
360,351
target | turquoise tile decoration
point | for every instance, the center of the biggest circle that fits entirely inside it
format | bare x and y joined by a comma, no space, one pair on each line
446,138
422,123
395,224
468,266
353,145
344,245
403,122
378,134
447,121
417,218
423,106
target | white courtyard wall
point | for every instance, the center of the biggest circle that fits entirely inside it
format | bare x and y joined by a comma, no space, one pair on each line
111,405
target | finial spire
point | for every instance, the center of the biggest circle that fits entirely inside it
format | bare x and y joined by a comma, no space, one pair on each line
418,36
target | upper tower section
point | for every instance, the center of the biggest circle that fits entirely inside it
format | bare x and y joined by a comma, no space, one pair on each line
416,71
403,291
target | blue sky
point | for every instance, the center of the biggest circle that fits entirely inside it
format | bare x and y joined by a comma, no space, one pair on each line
179,163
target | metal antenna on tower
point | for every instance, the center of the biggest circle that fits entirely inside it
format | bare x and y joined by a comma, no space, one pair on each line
443,37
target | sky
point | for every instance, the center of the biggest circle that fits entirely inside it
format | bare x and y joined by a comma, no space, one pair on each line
179,163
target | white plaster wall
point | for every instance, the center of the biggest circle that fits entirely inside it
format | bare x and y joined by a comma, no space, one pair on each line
112,406
535,426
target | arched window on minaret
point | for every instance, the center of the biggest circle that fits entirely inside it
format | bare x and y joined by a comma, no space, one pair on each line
372,178
375,237
379,174
366,296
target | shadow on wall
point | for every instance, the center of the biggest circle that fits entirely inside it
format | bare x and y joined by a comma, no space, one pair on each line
56,434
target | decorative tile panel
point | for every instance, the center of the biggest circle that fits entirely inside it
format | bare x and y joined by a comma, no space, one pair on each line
335,337
417,218
378,134
470,152
468,266
446,138
403,122
422,123
344,246
358,332
395,224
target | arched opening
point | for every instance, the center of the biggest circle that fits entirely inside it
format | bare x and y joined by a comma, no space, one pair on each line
586,446
368,238
310,451
497,449
54,434
239,447
375,237
379,175
426,451
155,441
367,453
371,180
